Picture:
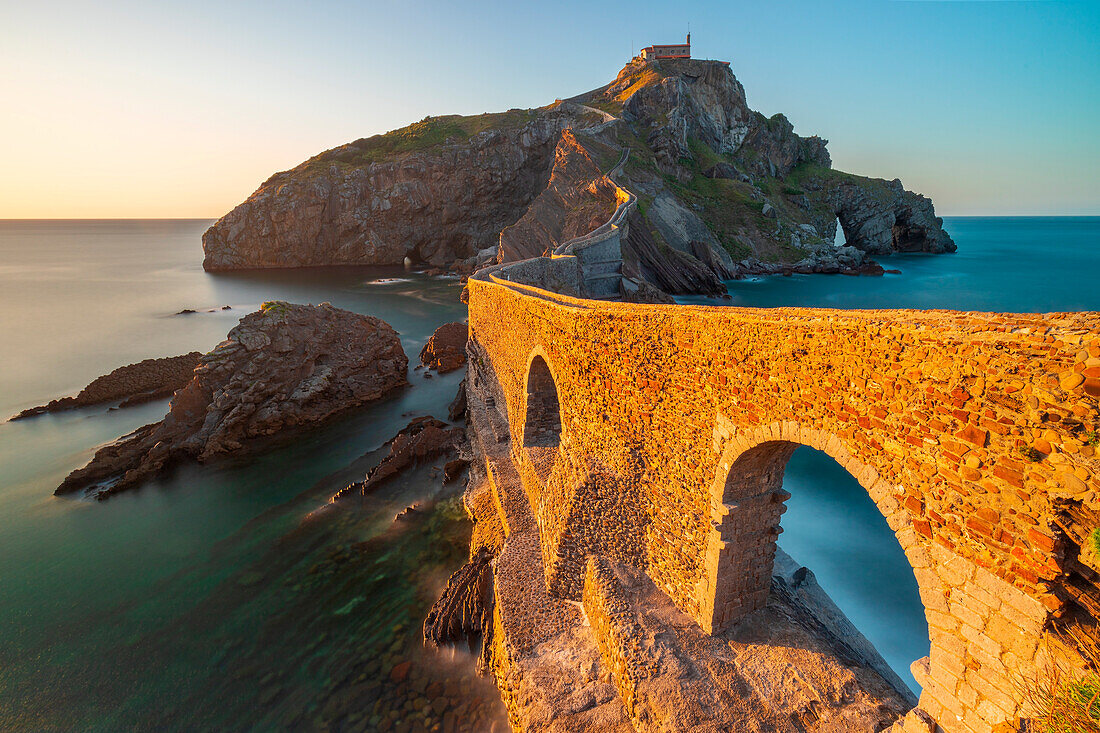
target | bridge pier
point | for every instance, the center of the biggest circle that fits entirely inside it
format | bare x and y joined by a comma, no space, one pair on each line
740,553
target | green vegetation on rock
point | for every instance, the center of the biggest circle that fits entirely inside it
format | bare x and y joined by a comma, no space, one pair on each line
275,307
1075,707
610,106
1030,453
725,206
428,133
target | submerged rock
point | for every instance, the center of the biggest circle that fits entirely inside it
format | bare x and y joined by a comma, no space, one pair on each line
283,366
146,380
421,439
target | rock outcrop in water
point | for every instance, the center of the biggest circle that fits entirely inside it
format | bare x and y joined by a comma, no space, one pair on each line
133,384
723,191
882,217
283,366
446,349
422,439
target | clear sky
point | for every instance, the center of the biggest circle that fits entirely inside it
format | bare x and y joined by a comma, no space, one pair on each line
181,109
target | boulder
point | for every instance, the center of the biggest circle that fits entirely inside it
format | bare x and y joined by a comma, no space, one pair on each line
282,367
446,349
727,171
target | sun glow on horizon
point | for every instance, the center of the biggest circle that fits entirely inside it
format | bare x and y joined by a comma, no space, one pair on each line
183,110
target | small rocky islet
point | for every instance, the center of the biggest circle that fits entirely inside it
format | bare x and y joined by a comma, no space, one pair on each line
284,366
133,384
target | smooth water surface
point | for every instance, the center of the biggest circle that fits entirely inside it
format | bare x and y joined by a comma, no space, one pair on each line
1011,264
209,600
206,599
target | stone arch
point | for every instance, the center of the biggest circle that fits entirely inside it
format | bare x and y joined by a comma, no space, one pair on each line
542,408
966,675
747,501
542,423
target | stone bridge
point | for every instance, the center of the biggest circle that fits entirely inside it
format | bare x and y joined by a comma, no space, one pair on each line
967,430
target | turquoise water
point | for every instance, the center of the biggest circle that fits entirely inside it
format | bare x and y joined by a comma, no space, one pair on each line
1003,264
1013,264
208,600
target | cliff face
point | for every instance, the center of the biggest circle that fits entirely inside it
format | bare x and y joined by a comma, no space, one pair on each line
723,191
726,191
434,201
577,199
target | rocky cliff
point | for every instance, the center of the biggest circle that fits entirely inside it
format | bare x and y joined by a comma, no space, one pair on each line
723,191
283,366
577,199
436,192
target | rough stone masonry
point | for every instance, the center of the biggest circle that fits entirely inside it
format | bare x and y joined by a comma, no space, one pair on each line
672,426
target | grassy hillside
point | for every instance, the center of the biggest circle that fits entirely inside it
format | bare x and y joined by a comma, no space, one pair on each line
430,132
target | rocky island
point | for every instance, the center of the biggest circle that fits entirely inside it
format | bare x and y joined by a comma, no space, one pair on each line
283,366
722,190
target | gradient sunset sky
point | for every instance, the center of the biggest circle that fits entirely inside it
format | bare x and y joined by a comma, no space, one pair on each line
181,109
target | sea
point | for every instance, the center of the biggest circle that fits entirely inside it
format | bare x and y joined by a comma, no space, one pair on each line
230,597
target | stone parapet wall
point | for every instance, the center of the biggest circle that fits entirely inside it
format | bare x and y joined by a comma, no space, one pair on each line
616,630
968,430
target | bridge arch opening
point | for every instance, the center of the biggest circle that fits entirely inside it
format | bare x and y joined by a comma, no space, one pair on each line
542,422
542,417
835,528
